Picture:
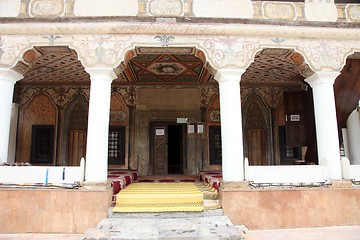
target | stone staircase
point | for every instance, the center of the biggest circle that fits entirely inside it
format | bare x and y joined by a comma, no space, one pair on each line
209,224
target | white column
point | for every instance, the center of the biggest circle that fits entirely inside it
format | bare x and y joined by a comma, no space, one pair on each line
231,124
326,122
13,132
98,124
8,79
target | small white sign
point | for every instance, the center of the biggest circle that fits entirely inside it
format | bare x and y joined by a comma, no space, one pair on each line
182,120
200,128
160,132
191,128
295,118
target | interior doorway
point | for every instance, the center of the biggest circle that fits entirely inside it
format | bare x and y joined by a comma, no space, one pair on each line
167,147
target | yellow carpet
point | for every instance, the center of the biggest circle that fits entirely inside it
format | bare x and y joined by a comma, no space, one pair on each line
159,197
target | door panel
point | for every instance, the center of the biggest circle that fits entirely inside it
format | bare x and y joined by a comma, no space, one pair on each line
295,118
300,130
256,139
160,150
76,147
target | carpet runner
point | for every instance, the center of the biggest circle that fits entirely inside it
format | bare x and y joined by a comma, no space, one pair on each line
159,197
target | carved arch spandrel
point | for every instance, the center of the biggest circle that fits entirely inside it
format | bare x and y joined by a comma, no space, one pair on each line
119,112
325,55
229,51
213,110
221,52
61,96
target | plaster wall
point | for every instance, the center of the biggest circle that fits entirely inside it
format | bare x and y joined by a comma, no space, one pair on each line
9,8
353,134
106,8
292,208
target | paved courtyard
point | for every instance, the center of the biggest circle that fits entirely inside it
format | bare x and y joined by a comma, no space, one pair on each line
319,233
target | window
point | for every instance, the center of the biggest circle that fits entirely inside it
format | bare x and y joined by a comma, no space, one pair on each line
42,144
215,145
116,149
288,155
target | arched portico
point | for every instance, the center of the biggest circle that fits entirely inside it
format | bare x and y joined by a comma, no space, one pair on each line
222,54
229,46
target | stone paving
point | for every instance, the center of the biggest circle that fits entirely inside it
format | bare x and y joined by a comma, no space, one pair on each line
316,233
211,224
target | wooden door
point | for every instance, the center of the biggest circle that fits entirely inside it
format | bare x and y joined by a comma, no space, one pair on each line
256,135
256,140
295,118
76,147
160,155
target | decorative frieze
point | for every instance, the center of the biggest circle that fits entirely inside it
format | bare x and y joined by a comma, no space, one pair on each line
324,54
229,50
272,96
128,95
60,95
279,11
206,96
100,49
46,8
165,8
353,12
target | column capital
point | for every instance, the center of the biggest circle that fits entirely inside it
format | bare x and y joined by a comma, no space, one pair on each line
101,73
322,78
10,75
224,75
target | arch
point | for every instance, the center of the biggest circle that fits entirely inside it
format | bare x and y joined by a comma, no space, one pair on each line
166,63
74,131
353,52
39,111
292,54
44,64
260,126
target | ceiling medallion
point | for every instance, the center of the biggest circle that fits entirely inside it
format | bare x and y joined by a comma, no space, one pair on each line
273,70
46,69
166,68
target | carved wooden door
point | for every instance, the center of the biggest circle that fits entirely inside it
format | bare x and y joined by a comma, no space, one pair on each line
76,146
256,136
256,140
160,150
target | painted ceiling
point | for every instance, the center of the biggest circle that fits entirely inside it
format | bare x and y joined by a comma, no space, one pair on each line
59,65
155,66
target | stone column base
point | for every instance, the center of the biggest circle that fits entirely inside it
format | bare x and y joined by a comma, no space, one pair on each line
234,185
96,186
341,184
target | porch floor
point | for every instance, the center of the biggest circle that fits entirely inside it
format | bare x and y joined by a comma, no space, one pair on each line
317,233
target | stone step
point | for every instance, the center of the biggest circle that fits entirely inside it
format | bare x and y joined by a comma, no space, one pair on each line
210,224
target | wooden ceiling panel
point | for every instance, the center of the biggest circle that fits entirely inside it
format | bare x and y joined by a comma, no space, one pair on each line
166,68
